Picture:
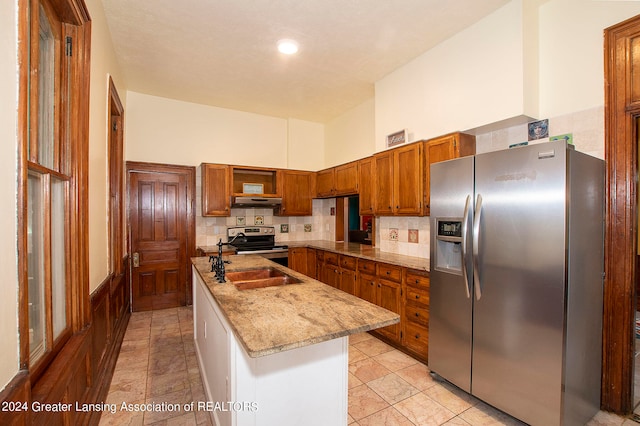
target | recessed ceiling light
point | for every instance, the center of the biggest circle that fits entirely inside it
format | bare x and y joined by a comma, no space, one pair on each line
287,46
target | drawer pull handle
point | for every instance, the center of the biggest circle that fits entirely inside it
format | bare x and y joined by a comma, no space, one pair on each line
417,314
417,335
417,296
417,281
388,272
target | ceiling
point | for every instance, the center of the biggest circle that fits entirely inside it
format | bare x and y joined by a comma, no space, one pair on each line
223,52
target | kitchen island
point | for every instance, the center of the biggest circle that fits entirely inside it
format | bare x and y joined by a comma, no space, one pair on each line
279,354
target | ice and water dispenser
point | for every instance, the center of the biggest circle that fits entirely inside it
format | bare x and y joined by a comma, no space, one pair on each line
448,250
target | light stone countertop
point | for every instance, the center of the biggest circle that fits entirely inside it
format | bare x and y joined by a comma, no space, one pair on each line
362,251
275,319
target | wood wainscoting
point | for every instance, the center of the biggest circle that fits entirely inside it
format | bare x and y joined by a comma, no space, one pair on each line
82,370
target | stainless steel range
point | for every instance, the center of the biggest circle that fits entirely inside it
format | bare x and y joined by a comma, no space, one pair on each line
260,240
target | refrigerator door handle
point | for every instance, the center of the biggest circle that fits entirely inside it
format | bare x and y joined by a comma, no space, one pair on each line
463,251
476,238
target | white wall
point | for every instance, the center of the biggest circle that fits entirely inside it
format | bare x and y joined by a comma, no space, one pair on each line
103,64
350,136
572,52
472,79
164,130
9,363
305,145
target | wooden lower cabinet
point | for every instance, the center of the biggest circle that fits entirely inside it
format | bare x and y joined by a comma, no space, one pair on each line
366,287
415,318
389,298
348,274
303,260
399,289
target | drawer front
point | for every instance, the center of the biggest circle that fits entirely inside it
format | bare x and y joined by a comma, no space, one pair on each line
416,338
367,266
417,297
418,280
331,258
417,314
348,262
390,272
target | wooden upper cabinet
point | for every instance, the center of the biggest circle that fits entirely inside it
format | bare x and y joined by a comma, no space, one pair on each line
339,180
216,190
346,179
297,190
365,185
408,180
325,183
399,181
383,183
444,148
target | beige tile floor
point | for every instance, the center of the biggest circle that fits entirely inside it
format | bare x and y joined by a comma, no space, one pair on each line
157,363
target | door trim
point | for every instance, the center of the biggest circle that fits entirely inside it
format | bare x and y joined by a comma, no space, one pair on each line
190,174
621,216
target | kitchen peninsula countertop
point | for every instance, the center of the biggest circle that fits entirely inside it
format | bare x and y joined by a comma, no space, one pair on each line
275,319
364,251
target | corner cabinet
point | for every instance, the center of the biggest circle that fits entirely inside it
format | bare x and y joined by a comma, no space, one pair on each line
447,147
216,189
297,190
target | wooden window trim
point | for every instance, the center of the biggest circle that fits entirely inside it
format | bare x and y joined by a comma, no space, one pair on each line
116,181
71,165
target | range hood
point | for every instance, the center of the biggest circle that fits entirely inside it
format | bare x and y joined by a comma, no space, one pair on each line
244,202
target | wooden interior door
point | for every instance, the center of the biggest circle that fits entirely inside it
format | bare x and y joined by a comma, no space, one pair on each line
159,228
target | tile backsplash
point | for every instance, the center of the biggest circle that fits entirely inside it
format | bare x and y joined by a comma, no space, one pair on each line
401,235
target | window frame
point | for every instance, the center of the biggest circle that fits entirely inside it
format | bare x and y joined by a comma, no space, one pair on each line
72,26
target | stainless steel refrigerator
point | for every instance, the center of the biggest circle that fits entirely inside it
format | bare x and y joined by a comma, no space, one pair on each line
517,262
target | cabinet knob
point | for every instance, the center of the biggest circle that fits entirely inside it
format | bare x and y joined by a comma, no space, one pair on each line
417,296
417,335
417,281
388,272
417,314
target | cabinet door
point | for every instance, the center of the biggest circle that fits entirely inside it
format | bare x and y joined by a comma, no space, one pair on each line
348,281
311,263
365,185
436,150
346,179
320,266
389,298
296,193
216,196
367,288
325,183
332,275
298,259
407,180
383,181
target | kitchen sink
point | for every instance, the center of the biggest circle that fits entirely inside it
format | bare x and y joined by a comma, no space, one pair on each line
259,278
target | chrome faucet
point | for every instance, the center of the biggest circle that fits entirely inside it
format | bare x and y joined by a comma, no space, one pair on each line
217,263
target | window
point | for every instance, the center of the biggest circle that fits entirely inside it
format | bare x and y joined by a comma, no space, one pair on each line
54,293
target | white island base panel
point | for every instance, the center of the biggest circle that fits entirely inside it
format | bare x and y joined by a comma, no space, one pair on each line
307,385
